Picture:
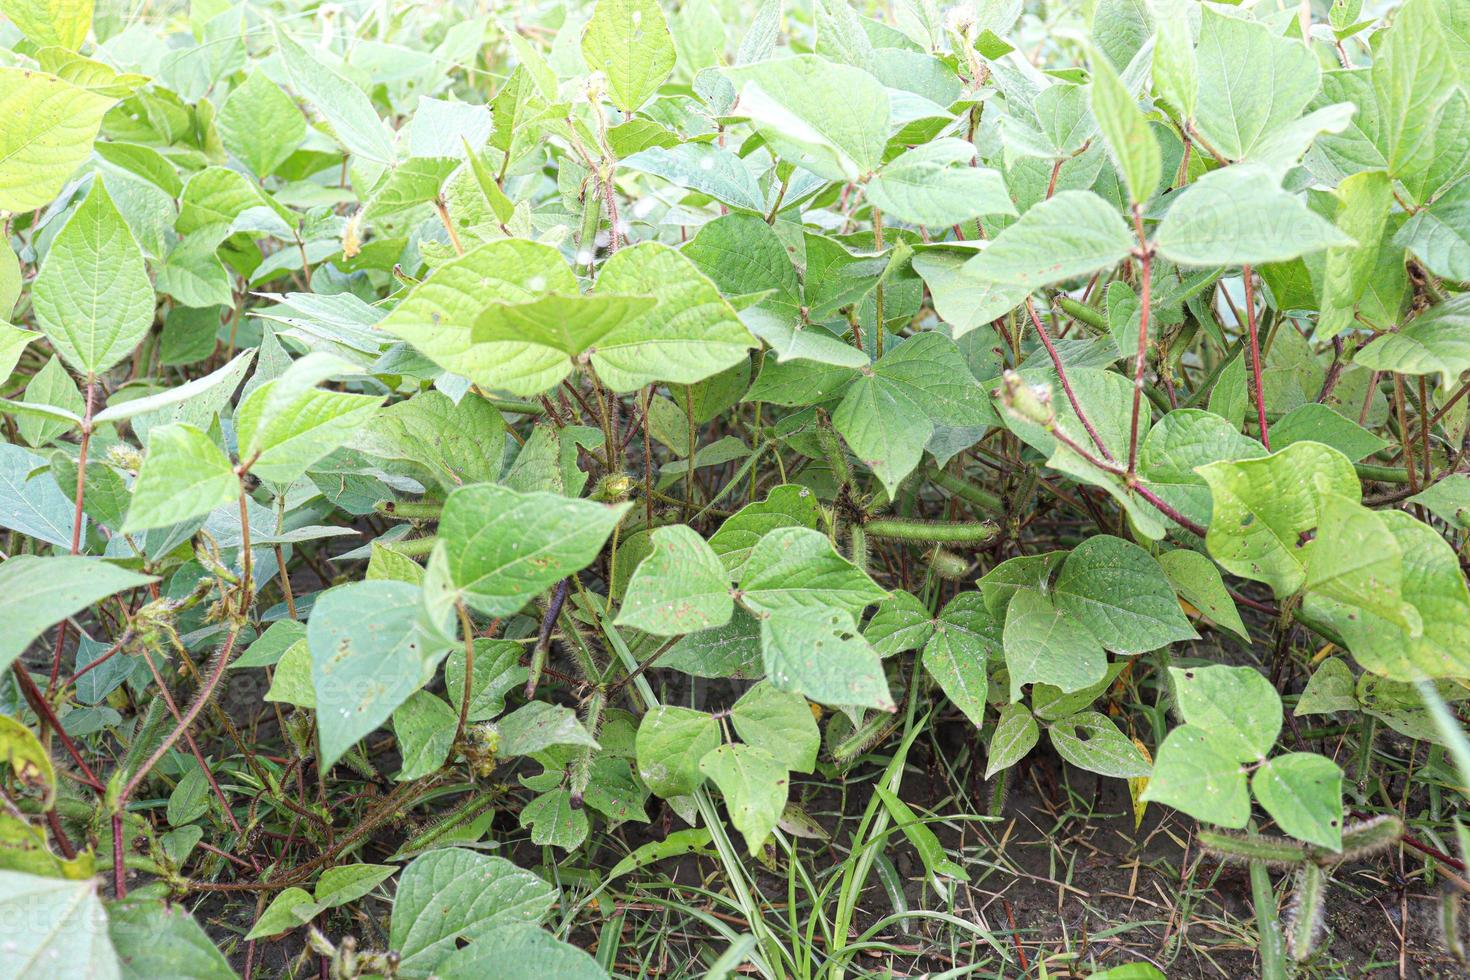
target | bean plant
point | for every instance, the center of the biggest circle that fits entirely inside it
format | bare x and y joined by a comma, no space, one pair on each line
459,457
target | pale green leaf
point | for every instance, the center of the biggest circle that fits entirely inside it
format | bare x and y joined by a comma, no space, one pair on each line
1070,235
36,593
779,722
681,587
1302,791
184,475
48,133
1192,775
1239,215
372,646
1266,511
1236,706
504,547
1044,643
1120,594
92,297
754,786
671,741
453,895
629,42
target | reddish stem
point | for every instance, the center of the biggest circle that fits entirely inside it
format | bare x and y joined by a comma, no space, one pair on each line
1140,360
1250,318
1056,362
42,708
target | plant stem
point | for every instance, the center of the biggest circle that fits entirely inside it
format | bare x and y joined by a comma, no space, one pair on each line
468,628
1256,389
1140,361
1056,363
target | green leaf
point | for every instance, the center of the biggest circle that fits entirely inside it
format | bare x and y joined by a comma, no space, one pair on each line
342,104
671,741
935,186
372,646
291,682
1436,341
1015,735
1193,775
1070,235
51,386
1175,63
36,593
184,475
62,927
1448,499
1366,199
704,168
50,126
1331,687
290,908
629,42
1239,215
1413,74
1198,581
813,652
962,297
733,650
967,636
536,726
1091,741
1267,511
346,883
692,334
34,505
901,623
520,953
1302,791
260,124
1251,82
828,118
779,722
787,505
1120,594
431,437
796,570
541,340
282,436
13,341
1130,141
1235,706
92,296
498,671
424,726
1313,422
890,411
503,547
453,895
154,939
754,786
1439,235
1044,643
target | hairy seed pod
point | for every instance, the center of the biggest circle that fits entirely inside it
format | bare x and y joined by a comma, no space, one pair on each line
1363,837
1308,908
1275,852
947,565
